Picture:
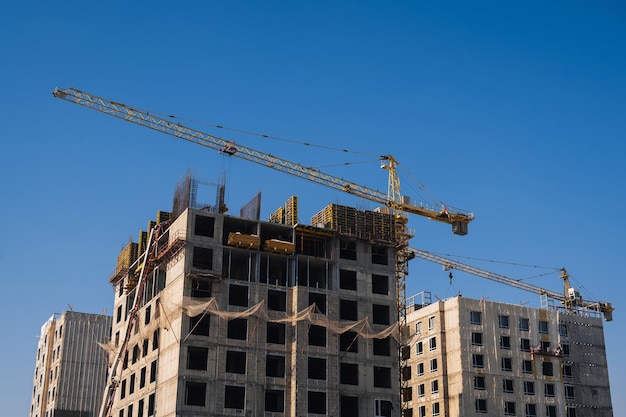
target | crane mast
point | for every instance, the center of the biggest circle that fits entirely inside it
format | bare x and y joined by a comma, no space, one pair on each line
570,298
397,204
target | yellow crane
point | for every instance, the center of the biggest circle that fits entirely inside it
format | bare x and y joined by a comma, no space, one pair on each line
398,204
570,298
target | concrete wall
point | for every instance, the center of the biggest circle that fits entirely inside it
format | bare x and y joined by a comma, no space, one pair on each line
576,353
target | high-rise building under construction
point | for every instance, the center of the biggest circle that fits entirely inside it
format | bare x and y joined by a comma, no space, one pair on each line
237,316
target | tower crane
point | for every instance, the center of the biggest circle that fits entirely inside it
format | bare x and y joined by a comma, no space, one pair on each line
570,298
398,205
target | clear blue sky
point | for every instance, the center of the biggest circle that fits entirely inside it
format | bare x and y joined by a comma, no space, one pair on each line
513,110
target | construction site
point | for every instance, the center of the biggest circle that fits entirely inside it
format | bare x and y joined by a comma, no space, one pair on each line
228,315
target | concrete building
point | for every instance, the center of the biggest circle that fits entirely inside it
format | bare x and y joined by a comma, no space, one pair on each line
242,317
71,368
474,357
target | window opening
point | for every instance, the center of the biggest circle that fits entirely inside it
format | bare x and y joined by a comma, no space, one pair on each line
349,373
379,255
275,366
238,295
348,406
205,226
507,385
153,371
237,329
382,377
274,400
151,403
433,365
380,314
481,405
509,408
316,402
349,342
420,369
527,367
276,300
197,358
434,386
319,300
475,317
234,397
202,258
348,310
195,393
200,288
524,324
547,368
347,249
505,342
382,347
432,343
200,325
276,333
235,362
317,368
317,335
380,284
142,377
478,360
382,408
431,323
347,279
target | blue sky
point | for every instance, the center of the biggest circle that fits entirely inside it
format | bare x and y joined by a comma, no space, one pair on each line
512,110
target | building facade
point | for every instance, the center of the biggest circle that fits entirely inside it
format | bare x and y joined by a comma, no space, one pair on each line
71,366
238,316
475,357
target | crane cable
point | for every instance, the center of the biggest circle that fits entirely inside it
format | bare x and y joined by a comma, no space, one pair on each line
422,192
553,270
250,133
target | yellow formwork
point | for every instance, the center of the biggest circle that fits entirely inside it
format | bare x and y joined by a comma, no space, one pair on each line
127,256
278,216
291,211
163,216
366,224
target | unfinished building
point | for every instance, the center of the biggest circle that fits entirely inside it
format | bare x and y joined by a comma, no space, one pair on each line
238,316
71,367
475,357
